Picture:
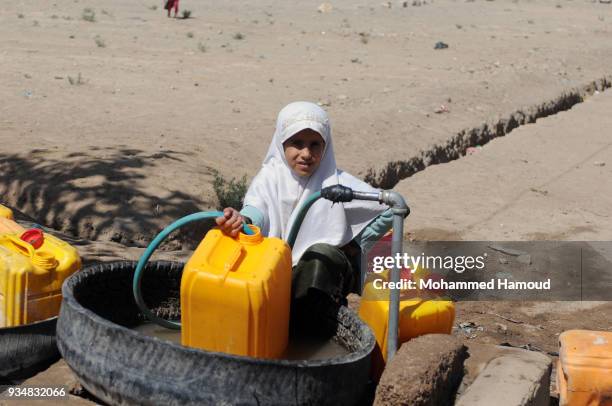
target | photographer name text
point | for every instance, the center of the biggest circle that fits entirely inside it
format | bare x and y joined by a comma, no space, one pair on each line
442,284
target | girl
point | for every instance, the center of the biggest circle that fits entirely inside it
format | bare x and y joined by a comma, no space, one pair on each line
299,162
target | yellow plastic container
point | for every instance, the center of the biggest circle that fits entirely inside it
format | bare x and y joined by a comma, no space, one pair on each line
31,279
417,316
5,212
235,295
9,226
584,368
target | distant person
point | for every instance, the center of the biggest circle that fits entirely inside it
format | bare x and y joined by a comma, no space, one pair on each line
172,4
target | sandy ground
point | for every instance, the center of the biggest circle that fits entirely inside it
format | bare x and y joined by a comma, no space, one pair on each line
545,181
130,146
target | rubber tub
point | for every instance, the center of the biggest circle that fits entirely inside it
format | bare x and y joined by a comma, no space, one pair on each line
122,366
27,348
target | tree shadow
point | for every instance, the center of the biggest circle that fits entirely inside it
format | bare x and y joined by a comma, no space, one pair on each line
98,198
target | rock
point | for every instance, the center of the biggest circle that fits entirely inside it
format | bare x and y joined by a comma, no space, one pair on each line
502,328
440,45
511,380
325,8
354,301
441,109
425,371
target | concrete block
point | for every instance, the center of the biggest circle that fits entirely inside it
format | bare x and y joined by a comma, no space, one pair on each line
520,379
425,371
480,355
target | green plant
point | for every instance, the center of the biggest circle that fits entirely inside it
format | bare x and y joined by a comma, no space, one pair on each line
20,15
365,37
238,36
186,13
76,81
89,15
229,193
190,34
99,42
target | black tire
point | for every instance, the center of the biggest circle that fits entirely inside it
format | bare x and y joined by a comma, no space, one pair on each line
121,366
27,349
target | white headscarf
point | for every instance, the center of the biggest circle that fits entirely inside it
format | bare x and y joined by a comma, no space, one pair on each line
279,193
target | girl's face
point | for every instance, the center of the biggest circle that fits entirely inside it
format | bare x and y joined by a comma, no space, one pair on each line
303,152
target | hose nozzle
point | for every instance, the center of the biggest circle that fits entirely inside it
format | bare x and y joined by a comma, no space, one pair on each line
337,193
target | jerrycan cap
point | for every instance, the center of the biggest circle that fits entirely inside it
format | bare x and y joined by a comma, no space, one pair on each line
33,236
253,239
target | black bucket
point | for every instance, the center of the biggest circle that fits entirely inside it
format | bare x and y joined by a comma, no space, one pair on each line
122,366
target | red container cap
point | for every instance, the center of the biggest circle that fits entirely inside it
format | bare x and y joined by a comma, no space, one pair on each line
33,236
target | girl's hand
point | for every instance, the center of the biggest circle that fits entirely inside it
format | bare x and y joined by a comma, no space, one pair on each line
231,221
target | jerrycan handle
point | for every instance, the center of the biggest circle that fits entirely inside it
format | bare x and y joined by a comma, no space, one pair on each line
42,259
233,257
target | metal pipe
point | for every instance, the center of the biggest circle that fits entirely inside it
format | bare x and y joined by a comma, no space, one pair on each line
340,193
393,324
400,211
375,196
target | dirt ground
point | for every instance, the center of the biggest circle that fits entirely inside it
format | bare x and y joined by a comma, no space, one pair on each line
110,129
161,102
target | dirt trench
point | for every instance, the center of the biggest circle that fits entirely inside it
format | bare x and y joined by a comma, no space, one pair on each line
455,147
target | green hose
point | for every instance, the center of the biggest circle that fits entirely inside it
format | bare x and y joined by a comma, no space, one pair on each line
295,228
149,251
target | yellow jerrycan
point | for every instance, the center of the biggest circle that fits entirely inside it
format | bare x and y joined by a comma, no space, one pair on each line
235,295
31,278
5,212
584,368
8,226
417,315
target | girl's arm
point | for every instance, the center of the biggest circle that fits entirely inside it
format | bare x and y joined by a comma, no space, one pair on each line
375,230
254,215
